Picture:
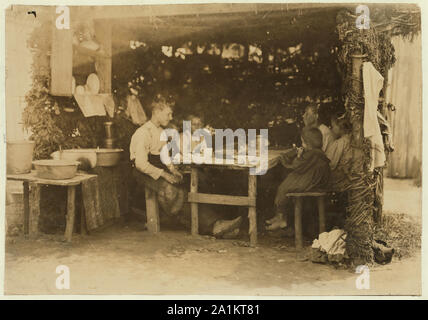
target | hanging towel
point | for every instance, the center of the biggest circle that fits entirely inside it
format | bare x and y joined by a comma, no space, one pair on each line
91,203
373,83
135,110
91,104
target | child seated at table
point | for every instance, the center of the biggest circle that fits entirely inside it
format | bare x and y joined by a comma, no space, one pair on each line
310,172
340,154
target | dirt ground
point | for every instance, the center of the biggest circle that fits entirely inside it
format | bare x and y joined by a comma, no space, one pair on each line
125,259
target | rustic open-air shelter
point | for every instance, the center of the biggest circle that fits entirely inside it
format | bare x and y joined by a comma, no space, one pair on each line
325,34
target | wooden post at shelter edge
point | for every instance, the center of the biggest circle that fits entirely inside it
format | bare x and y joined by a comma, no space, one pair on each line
252,213
194,205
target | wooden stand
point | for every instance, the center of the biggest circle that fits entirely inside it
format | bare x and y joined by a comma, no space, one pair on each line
32,188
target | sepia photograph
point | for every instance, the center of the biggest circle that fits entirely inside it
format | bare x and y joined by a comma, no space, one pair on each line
213,149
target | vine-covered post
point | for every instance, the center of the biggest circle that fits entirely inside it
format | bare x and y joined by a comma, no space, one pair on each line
359,219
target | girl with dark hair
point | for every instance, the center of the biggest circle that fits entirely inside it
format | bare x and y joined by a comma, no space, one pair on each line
339,153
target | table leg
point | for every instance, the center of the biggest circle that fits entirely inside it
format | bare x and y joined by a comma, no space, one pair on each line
71,211
298,224
26,207
83,228
252,213
34,209
321,214
194,205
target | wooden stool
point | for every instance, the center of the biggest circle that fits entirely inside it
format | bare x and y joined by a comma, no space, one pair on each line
152,211
298,214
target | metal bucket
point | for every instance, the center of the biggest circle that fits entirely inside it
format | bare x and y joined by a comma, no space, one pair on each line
19,155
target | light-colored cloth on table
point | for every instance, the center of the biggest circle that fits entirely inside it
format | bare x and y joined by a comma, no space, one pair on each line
327,137
135,111
147,139
373,83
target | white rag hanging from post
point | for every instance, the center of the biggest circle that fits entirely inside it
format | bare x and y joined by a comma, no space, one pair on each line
373,83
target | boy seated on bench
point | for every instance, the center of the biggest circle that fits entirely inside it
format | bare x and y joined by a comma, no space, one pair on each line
310,172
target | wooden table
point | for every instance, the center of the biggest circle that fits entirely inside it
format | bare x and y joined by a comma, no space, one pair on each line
32,186
247,201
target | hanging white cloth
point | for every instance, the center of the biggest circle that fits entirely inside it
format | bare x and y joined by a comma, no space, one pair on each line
373,83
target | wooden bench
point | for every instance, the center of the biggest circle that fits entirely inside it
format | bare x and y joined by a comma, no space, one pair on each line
298,204
152,211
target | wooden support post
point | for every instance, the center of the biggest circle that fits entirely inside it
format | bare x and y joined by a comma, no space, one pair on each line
34,215
298,223
26,207
71,211
61,64
321,214
152,211
194,205
252,213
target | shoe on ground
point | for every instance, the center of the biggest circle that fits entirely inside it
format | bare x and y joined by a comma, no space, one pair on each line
278,224
272,220
222,227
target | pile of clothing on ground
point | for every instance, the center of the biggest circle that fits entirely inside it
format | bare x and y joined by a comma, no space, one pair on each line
330,247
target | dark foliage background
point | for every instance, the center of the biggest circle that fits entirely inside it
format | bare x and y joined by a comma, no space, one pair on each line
228,93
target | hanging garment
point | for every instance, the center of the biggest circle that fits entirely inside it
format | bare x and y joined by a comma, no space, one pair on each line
91,104
373,83
135,110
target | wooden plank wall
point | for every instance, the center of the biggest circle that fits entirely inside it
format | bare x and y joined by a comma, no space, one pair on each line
405,92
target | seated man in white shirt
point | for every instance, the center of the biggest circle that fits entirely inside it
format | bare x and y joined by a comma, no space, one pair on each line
145,149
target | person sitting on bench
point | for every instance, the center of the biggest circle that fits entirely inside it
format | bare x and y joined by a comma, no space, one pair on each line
340,154
310,172
166,180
